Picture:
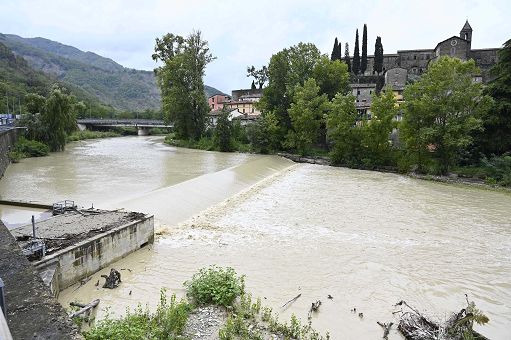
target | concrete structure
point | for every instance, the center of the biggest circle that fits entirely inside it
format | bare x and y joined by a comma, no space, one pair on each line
32,313
67,266
417,61
8,138
217,101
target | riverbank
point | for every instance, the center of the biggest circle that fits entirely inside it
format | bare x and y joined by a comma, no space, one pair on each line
475,181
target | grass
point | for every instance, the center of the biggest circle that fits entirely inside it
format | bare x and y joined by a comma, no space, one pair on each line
205,143
168,322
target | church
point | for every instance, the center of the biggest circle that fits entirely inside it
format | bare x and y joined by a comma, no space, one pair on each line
407,65
416,61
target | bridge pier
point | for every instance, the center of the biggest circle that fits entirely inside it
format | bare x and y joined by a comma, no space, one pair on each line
143,131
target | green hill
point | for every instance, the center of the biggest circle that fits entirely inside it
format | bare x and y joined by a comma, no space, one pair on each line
100,77
17,79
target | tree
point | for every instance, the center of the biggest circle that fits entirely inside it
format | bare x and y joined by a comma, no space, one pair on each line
347,59
378,56
260,75
376,134
442,110
181,82
253,86
331,76
34,103
307,113
496,138
335,51
363,63
356,56
287,69
223,132
264,134
56,118
343,133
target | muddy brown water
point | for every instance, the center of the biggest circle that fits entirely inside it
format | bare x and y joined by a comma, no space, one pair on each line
368,239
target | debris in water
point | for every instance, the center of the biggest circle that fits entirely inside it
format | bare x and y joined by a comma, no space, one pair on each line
113,280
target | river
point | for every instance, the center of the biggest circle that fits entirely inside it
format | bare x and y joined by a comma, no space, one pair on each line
368,239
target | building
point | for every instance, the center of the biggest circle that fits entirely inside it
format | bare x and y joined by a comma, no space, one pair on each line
416,61
217,101
245,103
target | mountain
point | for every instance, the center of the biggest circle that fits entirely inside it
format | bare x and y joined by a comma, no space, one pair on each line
111,83
17,79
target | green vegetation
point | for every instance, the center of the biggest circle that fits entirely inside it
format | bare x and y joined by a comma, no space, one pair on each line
181,82
247,319
215,285
168,322
27,148
87,134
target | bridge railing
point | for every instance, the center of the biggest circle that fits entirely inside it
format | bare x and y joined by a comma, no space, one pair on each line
133,122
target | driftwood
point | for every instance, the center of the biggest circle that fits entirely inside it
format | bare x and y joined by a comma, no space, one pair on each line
314,308
113,280
291,301
85,309
415,326
386,328
77,304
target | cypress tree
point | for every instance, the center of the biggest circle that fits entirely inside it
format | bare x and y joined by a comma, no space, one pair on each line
335,50
339,51
378,56
363,63
347,59
356,56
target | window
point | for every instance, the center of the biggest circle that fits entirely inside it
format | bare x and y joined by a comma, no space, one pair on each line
370,91
453,51
358,92
213,99
414,57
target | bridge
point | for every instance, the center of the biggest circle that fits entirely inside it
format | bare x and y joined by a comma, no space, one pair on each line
143,125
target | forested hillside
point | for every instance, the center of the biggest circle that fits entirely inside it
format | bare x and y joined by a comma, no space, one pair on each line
17,79
102,78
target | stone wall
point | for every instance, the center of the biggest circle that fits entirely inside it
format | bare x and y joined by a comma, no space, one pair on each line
89,256
32,313
7,140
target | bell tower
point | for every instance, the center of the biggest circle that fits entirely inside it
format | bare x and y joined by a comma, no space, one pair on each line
466,33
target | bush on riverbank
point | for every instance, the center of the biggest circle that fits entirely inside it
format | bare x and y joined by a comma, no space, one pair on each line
87,134
215,285
28,148
168,322
206,143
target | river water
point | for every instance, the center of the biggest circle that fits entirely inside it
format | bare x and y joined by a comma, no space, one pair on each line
368,239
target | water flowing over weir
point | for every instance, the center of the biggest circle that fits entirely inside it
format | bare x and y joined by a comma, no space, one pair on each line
368,239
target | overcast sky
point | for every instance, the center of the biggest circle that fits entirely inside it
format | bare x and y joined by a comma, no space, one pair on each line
242,33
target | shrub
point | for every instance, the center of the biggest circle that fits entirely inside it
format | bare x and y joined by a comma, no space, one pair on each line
87,134
168,322
30,148
215,285
499,168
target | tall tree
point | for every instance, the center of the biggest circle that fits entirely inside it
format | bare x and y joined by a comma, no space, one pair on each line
442,110
288,68
378,56
181,82
356,56
332,77
56,118
363,62
496,137
376,134
260,75
335,51
307,114
253,86
343,133
347,58
223,132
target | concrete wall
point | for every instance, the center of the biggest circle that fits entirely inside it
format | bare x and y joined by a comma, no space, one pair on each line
89,256
7,140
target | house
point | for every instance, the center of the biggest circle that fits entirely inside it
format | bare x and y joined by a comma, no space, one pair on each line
217,101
